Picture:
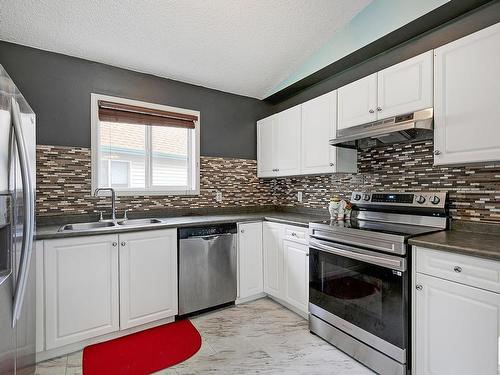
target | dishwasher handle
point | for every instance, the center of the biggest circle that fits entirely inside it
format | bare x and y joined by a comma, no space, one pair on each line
210,237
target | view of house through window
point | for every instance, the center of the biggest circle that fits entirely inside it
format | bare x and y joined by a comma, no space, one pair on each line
145,158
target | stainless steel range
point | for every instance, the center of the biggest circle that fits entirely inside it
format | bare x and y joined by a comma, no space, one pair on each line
359,275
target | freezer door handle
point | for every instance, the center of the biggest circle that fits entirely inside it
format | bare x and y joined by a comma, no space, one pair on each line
28,215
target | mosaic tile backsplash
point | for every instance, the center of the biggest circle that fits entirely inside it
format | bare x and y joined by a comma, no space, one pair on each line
474,191
63,183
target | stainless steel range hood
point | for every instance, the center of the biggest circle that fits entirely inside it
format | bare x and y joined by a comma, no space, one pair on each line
411,126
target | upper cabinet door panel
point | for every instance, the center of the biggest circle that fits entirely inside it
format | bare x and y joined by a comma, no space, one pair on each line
357,102
288,141
265,158
466,99
318,127
405,87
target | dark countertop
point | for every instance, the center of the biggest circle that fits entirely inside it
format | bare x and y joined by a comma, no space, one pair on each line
479,240
44,232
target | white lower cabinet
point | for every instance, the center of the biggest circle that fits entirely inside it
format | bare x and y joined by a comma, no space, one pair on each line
456,326
286,264
296,258
81,288
148,276
97,285
272,240
250,262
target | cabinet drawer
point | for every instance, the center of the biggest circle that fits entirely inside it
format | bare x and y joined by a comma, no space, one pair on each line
297,234
468,270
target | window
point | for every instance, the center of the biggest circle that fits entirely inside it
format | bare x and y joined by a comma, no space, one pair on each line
144,149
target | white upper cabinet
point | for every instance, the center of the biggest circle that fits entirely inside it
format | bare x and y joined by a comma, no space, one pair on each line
319,125
266,132
357,102
278,144
148,276
288,142
467,99
405,87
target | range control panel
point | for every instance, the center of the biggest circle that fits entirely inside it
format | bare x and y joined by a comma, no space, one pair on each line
417,199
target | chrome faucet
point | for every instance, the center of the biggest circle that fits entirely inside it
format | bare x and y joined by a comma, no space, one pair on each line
113,200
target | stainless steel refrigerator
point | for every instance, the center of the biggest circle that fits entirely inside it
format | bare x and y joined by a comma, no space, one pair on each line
17,226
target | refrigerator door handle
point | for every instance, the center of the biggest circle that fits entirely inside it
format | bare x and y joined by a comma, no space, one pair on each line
28,215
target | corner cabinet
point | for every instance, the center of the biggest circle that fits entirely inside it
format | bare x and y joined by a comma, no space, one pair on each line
272,240
148,276
296,141
456,320
402,88
466,99
278,144
250,262
319,125
81,289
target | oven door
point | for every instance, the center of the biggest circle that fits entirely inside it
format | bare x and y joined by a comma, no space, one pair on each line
361,292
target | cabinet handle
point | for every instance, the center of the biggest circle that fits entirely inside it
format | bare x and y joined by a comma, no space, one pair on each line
123,243
307,254
332,164
242,231
371,111
457,269
437,152
419,287
294,234
379,109
115,244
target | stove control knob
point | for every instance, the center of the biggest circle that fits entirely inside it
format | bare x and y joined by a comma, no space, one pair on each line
366,197
435,200
420,199
357,197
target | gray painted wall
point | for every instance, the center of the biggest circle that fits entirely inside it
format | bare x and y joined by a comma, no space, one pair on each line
58,88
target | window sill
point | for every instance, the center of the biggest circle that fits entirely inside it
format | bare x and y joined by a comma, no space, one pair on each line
142,193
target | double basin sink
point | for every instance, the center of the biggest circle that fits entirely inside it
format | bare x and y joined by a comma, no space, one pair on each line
98,225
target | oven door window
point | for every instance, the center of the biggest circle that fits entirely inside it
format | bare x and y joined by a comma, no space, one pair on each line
369,296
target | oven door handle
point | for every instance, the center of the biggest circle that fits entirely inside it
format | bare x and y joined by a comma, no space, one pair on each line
358,254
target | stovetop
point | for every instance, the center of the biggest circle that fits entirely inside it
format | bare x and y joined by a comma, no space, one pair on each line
392,229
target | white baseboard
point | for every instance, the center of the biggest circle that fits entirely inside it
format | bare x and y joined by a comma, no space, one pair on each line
250,298
75,347
303,314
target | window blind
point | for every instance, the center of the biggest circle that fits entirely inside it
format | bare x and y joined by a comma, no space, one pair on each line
131,114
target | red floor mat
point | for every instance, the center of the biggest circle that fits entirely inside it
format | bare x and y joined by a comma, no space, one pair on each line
143,352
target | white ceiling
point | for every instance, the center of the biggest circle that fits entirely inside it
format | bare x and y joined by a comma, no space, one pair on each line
240,46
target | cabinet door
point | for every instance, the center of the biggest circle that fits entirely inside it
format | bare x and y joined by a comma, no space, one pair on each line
296,259
272,239
466,99
288,142
81,288
405,87
457,328
318,127
266,137
251,277
148,276
357,102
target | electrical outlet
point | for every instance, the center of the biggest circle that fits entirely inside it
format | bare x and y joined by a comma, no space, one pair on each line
299,196
218,196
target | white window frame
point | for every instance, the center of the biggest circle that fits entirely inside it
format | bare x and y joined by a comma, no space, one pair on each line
193,177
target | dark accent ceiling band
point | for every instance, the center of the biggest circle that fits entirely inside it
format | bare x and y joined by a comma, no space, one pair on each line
432,20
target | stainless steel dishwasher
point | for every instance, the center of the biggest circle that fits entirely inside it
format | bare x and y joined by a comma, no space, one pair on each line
207,267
